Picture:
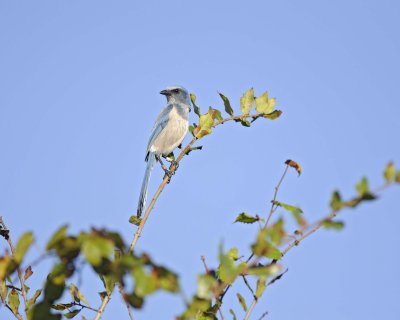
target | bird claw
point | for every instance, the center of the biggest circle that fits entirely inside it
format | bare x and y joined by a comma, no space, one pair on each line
175,164
168,174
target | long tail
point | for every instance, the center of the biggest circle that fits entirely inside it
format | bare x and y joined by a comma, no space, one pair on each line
143,192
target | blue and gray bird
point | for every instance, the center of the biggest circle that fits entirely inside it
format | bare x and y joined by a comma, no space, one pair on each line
168,132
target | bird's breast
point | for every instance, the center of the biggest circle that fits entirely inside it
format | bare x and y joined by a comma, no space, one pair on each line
173,133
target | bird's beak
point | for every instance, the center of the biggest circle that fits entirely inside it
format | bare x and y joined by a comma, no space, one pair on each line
165,92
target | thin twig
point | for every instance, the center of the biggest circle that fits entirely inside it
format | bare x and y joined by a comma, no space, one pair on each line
248,286
272,210
12,287
263,315
123,294
250,309
203,259
19,271
83,306
103,305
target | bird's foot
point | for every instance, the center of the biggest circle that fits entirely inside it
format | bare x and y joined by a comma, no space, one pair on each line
175,164
168,174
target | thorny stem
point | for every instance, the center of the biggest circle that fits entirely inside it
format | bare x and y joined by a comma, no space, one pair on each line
19,271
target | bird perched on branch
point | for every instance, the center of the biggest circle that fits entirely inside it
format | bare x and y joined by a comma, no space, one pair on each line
168,132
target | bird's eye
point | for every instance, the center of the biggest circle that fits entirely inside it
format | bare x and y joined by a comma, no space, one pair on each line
176,90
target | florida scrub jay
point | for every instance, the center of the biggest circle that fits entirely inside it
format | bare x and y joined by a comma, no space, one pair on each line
168,132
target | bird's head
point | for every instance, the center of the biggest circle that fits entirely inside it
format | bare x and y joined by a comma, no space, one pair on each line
176,94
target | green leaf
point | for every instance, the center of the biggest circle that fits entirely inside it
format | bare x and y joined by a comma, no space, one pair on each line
227,270
62,306
336,201
389,173
145,283
135,220
13,301
205,126
233,314
233,253
55,283
32,300
76,294
245,218
264,248
57,237
205,283
247,101
134,300
335,225
227,104
264,104
215,114
261,285
277,231
166,279
287,207
242,301
273,115
245,123
264,271
95,248
3,290
4,266
108,282
22,247
71,314
362,187
196,306
195,107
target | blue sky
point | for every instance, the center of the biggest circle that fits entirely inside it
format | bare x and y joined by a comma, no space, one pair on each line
80,83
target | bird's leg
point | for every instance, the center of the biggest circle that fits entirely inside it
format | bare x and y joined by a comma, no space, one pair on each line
167,172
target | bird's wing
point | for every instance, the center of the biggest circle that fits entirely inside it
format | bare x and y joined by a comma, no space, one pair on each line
159,125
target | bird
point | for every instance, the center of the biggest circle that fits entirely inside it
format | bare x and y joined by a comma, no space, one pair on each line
169,130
